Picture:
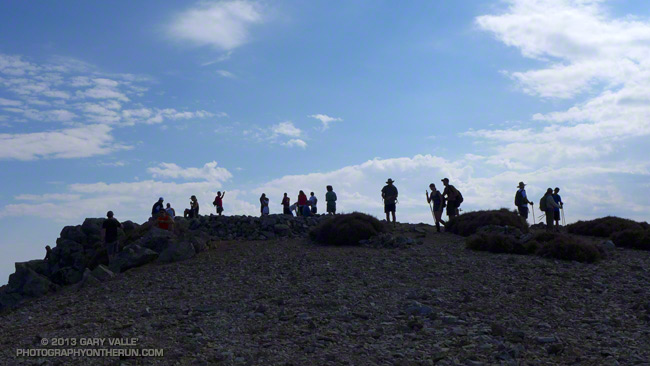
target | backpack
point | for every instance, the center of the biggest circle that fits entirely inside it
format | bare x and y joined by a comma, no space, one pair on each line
519,199
542,204
460,199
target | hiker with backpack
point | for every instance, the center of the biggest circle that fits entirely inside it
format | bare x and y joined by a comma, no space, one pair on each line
453,198
438,205
548,205
389,194
522,202
556,212
286,205
218,202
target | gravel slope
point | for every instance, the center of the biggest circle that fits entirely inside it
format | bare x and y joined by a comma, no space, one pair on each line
293,303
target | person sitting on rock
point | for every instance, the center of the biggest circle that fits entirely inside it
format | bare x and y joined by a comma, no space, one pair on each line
193,211
330,198
109,235
306,210
48,253
294,208
165,221
157,207
170,211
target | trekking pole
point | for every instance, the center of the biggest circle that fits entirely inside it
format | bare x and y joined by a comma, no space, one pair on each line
431,207
563,219
534,221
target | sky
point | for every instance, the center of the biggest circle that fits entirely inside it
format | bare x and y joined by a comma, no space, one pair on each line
109,105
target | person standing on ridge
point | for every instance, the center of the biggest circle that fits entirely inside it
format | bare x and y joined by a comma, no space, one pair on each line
313,201
302,202
157,207
522,202
330,198
109,234
556,211
218,202
453,198
548,205
438,205
264,204
286,205
389,194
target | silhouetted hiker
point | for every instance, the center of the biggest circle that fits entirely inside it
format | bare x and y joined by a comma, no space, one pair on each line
170,211
330,198
286,205
556,211
264,204
306,210
453,196
313,201
438,205
193,211
389,194
157,207
109,234
218,202
302,201
165,221
48,253
521,201
548,205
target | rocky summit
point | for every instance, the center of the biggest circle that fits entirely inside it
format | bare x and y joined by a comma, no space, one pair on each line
251,291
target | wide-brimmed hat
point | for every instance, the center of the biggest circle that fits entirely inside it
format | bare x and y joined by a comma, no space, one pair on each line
521,184
389,181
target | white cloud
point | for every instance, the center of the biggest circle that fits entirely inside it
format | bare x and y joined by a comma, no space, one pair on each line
209,172
286,128
226,74
221,24
78,142
9,102
325,119
296,143
47,197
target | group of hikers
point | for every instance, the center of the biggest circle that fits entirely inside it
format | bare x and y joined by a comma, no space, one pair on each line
550,204
450,198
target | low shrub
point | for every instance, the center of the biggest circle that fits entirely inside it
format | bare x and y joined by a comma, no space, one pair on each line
347,229
567,248
635,239
499,243
604,226
548,245
468,223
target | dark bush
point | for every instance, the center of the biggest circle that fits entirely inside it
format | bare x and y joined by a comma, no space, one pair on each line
568,248
467,224
347,229
545,236
604,226
635,239
499,243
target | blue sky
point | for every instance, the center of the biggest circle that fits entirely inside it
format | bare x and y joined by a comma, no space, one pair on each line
110,105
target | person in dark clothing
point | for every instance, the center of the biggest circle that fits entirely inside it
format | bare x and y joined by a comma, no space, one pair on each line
438,205
286,205
389,194
157,207
109,235
451,195
522,201
548,205
264,204
556,210
218,202
48,253
193,211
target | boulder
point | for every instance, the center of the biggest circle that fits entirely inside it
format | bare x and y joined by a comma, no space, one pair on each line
132,256
129,226
608,244
67,276
28,283
92,226
156,239
73,233
87,280
177,251
199,244
9,299
282,229
40,266
102,273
